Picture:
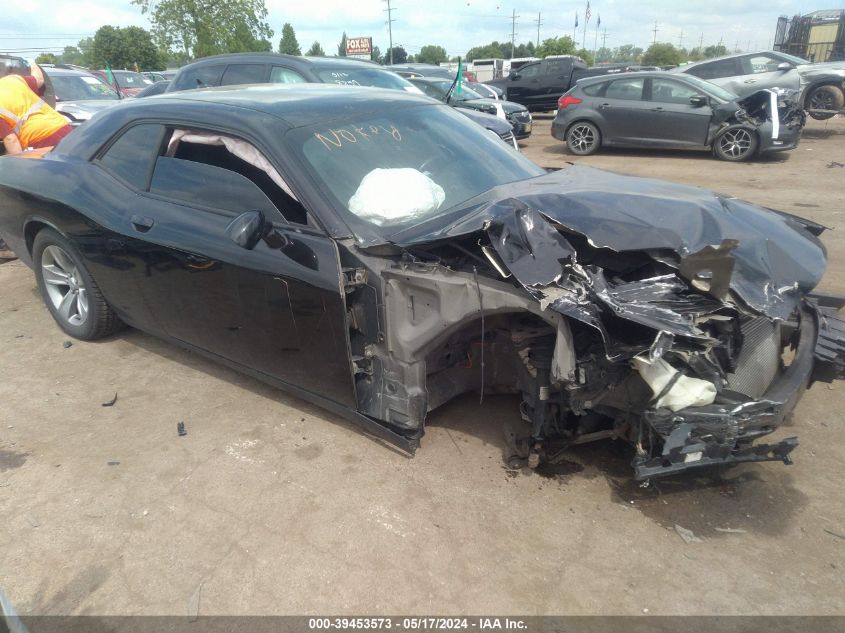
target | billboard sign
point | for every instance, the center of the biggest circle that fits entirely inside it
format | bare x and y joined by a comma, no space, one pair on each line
359,46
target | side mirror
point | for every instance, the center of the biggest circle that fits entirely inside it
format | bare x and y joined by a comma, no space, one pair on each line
247,229
514,75
698,101
785,66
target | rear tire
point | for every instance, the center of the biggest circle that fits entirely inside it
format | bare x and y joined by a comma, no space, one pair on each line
68,289
583,138
736,143
825,98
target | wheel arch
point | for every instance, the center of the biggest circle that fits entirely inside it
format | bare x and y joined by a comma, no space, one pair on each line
827,81
33,226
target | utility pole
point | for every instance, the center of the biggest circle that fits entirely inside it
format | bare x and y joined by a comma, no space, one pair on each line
513,31
655,30
681,39
539,22
701,43
390,22
604,38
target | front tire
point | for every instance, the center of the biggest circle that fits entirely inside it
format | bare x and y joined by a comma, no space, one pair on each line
583,138
825,98
736,143
68,289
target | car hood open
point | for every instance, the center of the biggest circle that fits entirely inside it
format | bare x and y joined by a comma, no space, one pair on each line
768,258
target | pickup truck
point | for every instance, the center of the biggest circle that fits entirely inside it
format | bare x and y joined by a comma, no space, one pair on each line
538,85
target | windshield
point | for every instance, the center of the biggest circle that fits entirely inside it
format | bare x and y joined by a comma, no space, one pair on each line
711,89
127,79
792,58
81,88
399,168
466,94
374,77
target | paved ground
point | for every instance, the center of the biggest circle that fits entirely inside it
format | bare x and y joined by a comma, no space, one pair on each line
270,505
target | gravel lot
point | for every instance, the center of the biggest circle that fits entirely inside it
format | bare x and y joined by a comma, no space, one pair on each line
271,506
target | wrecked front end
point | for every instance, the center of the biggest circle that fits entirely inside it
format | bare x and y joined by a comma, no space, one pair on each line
616,307
776,116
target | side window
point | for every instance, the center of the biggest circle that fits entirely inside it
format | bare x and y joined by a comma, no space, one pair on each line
554,66
282,75
756,64
715,70
668,91
595,89
630,89
132,156
243,176
529,70
203,77
237,74
209,186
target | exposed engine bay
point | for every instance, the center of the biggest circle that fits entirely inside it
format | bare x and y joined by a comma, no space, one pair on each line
680,321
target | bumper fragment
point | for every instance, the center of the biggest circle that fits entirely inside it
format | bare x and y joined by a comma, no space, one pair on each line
830,345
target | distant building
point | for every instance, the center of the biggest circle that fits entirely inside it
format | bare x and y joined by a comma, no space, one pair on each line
818,36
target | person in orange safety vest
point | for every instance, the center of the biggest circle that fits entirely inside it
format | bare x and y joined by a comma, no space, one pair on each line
26,120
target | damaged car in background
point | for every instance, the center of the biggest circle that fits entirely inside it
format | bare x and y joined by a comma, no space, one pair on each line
379,254
676,111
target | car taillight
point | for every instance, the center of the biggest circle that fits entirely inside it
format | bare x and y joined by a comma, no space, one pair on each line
567,100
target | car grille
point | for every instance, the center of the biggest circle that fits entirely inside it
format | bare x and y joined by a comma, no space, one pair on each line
759,359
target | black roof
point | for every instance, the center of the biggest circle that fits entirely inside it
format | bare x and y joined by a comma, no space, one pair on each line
314,62
294,105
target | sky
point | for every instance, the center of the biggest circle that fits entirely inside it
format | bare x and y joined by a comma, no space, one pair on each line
457,25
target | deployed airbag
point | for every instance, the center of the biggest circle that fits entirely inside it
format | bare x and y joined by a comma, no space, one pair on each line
388,195
673,390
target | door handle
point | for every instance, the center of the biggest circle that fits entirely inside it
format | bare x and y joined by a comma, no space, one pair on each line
605,106
657,109
141,223
750,81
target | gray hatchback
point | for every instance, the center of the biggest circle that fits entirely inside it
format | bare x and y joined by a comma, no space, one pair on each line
655,109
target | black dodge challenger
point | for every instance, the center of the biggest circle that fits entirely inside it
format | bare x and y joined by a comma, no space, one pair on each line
379,254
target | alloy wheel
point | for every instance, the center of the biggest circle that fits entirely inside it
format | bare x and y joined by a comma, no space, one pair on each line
581,138
64,285
736,143
822,100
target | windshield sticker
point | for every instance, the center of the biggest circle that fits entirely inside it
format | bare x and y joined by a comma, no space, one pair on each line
335,139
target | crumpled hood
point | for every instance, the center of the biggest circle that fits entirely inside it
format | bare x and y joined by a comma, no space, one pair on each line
775,257
85,109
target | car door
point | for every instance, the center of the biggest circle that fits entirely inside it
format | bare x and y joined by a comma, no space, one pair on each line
524,85
554,80
760,70
675,121
278,308
722,72
623,112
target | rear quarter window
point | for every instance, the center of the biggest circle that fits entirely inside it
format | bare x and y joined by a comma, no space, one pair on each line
594,90
132,156
202,77
237,74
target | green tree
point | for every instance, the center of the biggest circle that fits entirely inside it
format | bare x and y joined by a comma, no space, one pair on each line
72,55
125,47
316,50
716,50
556,46
604,55
288,44
626,53
341,47
586,55
86,47
375,56
432,54
208,27
400,55
46,58
662,54
489,51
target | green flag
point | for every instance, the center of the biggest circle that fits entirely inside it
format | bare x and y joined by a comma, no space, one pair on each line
460,77
109,74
